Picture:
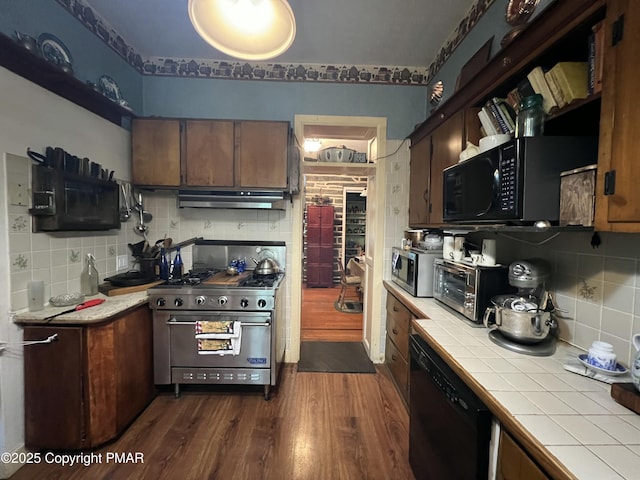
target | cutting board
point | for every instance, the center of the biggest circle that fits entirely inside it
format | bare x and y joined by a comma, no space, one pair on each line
110,290
627,395
222,278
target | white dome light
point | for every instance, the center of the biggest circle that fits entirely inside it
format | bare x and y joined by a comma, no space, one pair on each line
246,29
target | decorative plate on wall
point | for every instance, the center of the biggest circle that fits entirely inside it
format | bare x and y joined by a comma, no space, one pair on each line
53,50
519,11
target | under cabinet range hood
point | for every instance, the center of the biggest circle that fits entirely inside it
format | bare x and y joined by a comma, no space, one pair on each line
273,200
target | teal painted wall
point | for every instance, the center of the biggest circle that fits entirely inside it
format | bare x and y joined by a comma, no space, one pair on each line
404,107
91,57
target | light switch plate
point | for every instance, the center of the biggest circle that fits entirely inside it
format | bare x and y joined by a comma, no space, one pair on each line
123,262
18,194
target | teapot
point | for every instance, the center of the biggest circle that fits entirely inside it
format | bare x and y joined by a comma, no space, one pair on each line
635,364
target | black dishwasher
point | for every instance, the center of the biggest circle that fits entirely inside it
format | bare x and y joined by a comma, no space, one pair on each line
449,427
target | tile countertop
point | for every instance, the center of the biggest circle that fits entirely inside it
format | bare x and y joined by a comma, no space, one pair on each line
111,307
569,423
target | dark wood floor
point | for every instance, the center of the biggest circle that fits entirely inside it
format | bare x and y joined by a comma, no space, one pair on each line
316,426
320,321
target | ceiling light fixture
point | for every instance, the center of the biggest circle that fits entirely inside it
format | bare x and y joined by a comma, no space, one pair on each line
246,29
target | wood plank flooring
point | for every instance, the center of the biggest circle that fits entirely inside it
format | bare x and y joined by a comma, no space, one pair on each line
316,426
321,322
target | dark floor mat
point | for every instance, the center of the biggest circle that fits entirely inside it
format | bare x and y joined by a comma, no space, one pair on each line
349,307
334,357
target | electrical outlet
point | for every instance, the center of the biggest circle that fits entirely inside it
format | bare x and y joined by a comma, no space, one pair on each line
123,262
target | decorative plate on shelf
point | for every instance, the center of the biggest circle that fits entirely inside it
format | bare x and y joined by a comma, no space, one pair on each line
620,369
109,88
53,50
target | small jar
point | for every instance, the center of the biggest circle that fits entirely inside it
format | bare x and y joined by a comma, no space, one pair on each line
601,356
530,120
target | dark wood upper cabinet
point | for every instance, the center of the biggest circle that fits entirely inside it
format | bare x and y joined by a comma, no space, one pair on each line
210,153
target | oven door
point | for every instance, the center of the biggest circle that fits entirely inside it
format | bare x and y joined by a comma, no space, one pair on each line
455,286
255,343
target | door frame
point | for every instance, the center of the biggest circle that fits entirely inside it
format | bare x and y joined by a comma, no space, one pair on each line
373,320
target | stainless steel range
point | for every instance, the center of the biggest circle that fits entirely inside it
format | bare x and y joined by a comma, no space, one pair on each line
210,327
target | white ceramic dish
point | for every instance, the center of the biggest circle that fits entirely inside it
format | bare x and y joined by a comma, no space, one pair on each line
620,369
492,141
109,88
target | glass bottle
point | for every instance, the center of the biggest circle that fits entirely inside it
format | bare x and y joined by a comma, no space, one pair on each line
89,277
530,120
164,265
176,265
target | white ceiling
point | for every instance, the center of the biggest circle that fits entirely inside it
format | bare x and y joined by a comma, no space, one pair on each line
341,32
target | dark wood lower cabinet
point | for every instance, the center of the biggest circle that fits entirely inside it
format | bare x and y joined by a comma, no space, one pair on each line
83,389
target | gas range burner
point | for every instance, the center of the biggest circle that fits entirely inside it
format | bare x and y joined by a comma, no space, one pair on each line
260,280
192,278
545,348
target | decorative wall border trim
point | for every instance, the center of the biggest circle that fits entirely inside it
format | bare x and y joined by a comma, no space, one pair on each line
206,68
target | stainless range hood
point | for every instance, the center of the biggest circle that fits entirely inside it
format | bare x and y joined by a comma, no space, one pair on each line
273,200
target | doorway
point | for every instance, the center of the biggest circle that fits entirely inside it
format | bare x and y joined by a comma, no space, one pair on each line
372,130
334,232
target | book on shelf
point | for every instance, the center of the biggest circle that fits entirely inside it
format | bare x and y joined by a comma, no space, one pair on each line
502,113
571,79
595,64
514,99
487,125
540,85
555,89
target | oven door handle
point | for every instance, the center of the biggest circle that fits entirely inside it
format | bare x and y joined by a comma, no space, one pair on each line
173,321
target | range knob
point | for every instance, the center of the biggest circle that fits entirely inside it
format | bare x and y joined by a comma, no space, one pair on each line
200,300
222,300
244,303
262,303
178,302
161,302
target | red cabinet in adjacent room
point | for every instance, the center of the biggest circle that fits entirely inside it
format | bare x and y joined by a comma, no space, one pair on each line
320,259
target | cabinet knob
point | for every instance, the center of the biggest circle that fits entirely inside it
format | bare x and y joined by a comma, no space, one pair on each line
425,195
506,61
395,331
395,309
393,357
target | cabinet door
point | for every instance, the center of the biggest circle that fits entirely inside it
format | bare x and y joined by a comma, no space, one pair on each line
419,182
155,152
446,147
261,154
620,117
514,463
208,153
54,389
429,157
133,345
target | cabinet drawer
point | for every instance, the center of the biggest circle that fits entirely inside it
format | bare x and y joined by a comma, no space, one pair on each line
399,368
398,324
398,332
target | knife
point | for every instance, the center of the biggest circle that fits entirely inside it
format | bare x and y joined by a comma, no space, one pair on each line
82,306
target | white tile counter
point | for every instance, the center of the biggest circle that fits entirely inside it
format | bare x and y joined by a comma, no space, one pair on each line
564,419
112,306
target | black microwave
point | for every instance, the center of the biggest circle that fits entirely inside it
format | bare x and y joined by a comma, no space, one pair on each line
64,201
516,183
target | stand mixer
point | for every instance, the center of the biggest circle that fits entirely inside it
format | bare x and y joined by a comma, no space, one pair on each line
522,320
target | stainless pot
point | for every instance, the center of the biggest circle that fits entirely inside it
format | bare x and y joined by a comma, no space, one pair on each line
415,236
526,325
266,266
